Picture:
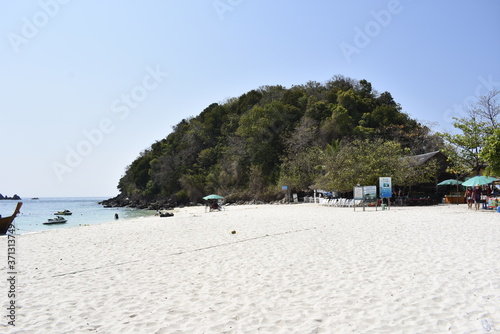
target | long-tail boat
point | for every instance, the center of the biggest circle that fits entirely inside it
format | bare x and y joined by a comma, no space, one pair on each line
6,221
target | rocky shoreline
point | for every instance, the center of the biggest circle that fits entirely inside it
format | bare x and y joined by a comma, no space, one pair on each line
122,201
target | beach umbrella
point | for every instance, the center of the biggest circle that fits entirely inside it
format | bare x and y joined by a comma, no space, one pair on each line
449,182
478,179
213,196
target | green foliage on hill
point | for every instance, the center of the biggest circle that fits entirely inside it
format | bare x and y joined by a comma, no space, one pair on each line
249,146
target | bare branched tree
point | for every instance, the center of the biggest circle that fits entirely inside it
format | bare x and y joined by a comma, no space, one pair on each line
487,109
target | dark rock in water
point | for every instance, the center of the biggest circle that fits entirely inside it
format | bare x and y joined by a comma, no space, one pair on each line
118,201
138,203
167,214
15,197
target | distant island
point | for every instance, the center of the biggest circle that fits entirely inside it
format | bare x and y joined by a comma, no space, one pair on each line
15,197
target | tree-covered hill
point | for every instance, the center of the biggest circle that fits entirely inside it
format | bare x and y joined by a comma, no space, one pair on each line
248,147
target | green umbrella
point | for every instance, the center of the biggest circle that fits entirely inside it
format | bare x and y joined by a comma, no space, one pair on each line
213,196
449,182
478,180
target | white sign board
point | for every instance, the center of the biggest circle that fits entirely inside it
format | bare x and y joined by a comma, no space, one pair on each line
358,192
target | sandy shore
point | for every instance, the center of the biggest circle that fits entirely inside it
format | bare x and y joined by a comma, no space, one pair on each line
287,269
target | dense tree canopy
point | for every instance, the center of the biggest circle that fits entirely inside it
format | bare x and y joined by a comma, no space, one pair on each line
475,149
247,147
491,153
360,162
464,147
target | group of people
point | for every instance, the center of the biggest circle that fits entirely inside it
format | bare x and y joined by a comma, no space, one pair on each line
477,195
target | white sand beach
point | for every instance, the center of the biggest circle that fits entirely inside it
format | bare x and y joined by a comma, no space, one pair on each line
299,268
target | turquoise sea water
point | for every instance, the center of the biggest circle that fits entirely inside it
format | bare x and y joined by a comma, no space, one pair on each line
86,211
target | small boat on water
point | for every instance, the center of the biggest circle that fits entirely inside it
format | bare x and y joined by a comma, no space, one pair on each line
63,213
6,221
57,220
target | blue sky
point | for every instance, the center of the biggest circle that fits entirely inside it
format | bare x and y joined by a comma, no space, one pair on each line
86,86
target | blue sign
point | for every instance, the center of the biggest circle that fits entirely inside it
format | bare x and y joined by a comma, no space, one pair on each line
385,187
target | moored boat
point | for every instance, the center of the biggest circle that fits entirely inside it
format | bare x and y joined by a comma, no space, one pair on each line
7,221
63,213
57,220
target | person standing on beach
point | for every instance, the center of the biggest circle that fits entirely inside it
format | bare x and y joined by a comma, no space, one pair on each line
485,196
476,193
468,197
